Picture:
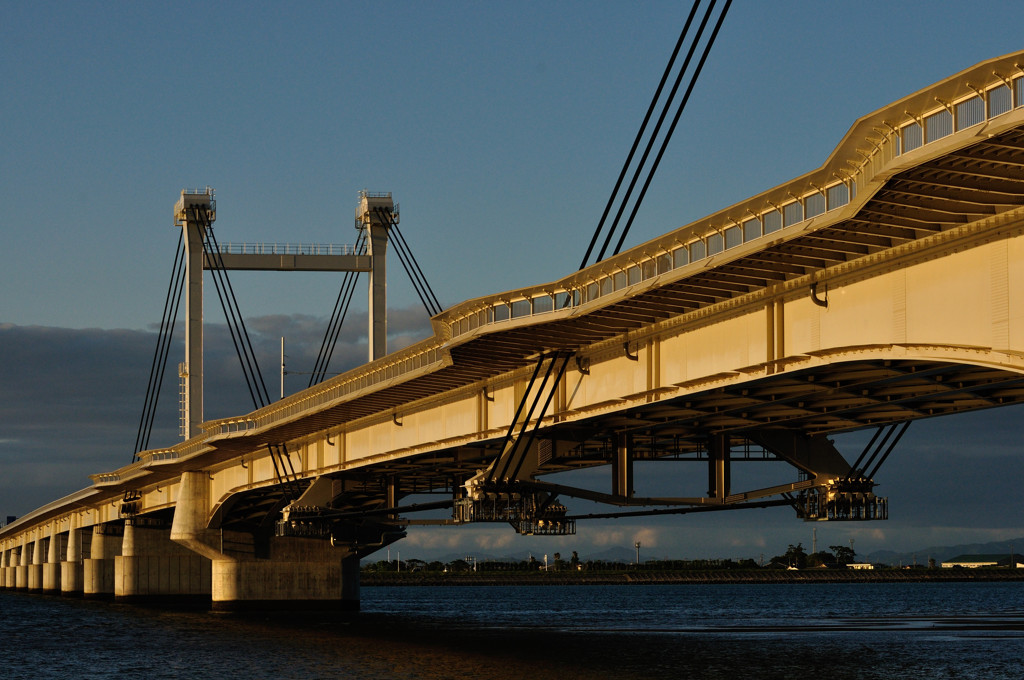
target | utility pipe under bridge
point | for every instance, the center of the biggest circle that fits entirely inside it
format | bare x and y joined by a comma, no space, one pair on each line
874,291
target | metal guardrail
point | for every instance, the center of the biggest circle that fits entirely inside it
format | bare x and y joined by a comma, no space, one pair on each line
289,249
917,130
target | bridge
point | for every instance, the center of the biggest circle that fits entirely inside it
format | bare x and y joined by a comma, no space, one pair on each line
878,289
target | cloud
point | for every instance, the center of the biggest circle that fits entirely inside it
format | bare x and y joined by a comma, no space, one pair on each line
648,537
434,540
607,537
71,399
494,540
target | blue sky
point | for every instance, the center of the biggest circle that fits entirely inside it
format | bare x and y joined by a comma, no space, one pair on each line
500,129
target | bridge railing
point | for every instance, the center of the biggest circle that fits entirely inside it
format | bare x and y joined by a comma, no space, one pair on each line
289,249
402,364
688,246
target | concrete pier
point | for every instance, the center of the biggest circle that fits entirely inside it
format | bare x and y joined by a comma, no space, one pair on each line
295,572
56,549
98,569
152,566
72,572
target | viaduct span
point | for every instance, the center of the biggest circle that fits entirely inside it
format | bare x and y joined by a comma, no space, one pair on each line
883,287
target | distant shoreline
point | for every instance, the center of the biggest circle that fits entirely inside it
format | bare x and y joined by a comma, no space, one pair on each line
566,578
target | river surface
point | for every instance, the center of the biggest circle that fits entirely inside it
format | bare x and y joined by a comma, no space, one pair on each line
838,631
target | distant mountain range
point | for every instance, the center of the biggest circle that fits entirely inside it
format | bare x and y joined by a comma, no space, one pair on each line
944,552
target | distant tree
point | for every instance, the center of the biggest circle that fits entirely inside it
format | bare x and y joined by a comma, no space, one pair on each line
844,554
575,561
793,557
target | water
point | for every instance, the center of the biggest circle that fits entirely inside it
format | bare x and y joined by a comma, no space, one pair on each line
840,631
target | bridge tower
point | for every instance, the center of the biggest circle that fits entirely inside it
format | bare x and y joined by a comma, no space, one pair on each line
376,214
194,212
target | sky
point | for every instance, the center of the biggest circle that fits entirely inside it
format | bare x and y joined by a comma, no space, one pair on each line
499,128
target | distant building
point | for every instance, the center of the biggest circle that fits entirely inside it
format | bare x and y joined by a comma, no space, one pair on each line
975,561
860,565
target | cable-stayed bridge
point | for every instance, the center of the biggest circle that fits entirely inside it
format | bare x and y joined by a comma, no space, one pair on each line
876,290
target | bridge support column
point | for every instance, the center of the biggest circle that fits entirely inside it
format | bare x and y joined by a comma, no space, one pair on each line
298,573
98,569
72,575
11,568
719,472
35,565
152,566
54,557
622,467
291,571
7,561
21,570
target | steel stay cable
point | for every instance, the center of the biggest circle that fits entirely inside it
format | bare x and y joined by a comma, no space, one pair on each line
334,329
337,319
153,384
236,318
411,266
330,328
232,331
320,365
278,456
153,365
860,458
408,270
515,419
436,308
543,412
168,338
513,453
510,454
406,260
657,128
672,127
244,333
890,429
889,450
337,328
409,273
639,134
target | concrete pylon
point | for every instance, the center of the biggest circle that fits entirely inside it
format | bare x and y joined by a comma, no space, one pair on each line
193,212
375,214
98,568
51,568
72,576
153,567
295,572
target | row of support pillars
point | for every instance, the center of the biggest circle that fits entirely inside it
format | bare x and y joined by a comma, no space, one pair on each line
138,563
185,562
